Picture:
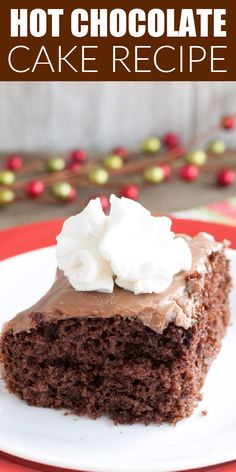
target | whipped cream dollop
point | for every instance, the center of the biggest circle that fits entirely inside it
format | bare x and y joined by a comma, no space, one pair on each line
129,248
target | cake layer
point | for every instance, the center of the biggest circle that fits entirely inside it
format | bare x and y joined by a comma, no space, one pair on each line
126,356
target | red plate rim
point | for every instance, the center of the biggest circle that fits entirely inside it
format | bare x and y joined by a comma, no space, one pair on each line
15,241
26,238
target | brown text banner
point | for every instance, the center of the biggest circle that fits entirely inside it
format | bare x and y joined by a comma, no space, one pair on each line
119,41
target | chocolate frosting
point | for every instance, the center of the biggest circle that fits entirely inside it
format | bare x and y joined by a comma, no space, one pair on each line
177,304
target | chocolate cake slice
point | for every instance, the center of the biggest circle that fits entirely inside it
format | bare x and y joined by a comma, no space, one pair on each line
135,358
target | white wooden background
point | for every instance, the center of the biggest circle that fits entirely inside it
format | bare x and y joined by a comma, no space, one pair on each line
46,116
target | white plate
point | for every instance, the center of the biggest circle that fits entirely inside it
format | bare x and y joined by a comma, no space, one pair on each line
50,437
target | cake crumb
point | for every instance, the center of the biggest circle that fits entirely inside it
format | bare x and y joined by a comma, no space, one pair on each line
204,413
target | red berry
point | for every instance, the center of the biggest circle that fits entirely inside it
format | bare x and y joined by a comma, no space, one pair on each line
171,140
14,163
189,172
228,122
104,201
120,151
167,170
79,156
34,189
72,195
129,191
226,177
74,166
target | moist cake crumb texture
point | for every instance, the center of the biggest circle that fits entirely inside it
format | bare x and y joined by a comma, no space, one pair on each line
118,365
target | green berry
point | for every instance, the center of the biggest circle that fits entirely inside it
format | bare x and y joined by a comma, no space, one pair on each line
98,176
217,147
154,175
197,157
113,162
61,190
6,196
7,177
56,164
151,145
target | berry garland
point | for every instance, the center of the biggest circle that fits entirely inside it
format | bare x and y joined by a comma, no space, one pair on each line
59,178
